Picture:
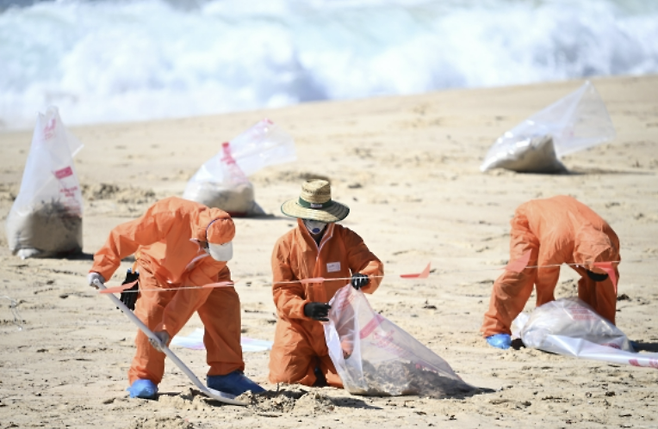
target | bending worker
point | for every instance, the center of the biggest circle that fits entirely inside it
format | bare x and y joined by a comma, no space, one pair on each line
180,244
316,247
557,230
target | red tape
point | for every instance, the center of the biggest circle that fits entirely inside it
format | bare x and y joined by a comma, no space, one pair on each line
422,275
118,289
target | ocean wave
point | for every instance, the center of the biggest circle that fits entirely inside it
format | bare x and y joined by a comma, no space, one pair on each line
107,61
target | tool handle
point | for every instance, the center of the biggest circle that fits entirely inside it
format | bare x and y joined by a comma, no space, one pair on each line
171,355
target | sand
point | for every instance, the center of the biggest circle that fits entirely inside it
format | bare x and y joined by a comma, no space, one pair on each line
408,167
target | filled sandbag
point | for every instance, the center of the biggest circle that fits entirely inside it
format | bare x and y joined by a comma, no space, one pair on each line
375,357
222,181
46,217
578,121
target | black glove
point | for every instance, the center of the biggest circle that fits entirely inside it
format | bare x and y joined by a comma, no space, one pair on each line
596,276
317,311
359,280
129,296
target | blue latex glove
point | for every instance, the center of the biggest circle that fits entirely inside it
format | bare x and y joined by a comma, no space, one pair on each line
501,341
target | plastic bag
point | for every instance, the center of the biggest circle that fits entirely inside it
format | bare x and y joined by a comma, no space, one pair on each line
569,326
194,341
575,122
231,191
222,181
46,218
373,356
573,318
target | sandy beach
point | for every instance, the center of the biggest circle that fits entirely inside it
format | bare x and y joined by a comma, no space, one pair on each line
408,167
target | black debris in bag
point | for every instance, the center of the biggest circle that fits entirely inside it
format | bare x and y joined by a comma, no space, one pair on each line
46,218
375,357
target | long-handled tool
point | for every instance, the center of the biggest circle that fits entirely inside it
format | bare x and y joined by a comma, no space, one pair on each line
212,393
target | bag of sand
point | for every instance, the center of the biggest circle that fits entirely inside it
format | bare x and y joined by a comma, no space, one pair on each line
578,121
375,357
46,217
223,182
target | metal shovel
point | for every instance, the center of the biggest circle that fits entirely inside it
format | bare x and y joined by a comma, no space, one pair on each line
211,393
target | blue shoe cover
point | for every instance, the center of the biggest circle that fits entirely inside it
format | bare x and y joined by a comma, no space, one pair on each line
235,383
501,341
144,389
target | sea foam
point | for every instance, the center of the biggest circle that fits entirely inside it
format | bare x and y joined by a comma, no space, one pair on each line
107,61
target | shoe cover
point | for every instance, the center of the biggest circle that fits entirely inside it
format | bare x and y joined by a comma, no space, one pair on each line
145,389
235,383
501,341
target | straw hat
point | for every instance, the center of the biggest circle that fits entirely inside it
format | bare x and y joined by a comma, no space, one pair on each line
315,203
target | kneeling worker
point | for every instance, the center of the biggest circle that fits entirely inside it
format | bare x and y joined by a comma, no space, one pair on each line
179,244
316,247
557,230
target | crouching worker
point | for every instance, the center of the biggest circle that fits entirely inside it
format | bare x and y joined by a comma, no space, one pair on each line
316,247
180,245
557,230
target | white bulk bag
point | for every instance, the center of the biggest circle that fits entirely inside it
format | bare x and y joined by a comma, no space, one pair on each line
568,326
222,181
575,122
46,217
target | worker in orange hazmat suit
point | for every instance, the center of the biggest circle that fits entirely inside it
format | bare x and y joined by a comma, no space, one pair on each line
180,244
557,230
316,247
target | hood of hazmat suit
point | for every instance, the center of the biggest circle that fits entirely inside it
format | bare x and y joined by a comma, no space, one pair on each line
167,237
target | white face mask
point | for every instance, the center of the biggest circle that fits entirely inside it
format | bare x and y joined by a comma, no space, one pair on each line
314,226
221,252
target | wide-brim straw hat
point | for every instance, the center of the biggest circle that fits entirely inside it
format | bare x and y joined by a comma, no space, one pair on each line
315,203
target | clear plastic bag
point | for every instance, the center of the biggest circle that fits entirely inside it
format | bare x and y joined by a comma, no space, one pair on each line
46,218
575,122
223,182
573,318
568,326
375,357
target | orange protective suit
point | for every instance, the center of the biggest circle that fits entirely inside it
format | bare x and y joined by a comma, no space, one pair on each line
299,346
170,259
556,230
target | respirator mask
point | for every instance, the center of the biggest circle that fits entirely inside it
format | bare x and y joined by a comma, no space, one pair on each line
314,226
221,252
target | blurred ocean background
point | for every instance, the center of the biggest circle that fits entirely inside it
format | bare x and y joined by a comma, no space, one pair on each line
110,60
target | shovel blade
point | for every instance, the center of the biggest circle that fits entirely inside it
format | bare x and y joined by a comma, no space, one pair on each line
224,397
